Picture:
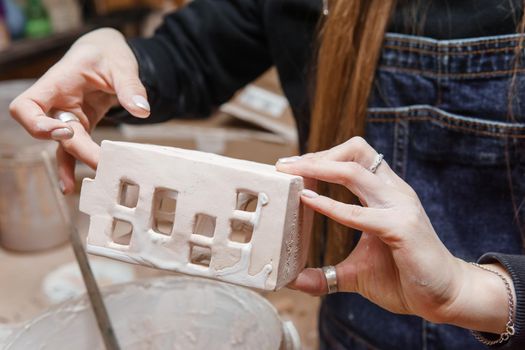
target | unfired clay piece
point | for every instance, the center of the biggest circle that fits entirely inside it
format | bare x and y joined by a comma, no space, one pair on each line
197,213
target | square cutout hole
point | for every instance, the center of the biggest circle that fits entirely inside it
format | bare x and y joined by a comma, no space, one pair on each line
121,231
128,194
200,255
241,231
204,225
163,212
246,201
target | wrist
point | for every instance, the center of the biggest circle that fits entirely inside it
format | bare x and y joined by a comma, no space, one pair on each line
483,301
99,43
101,34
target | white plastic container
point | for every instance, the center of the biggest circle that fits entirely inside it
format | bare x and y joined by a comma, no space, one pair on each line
164,313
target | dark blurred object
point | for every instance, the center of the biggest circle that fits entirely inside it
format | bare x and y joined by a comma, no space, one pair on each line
160,9
38,24
16,19
105,7
4,33
30,58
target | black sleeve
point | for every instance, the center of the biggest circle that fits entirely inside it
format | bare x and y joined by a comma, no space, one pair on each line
515,265
200,56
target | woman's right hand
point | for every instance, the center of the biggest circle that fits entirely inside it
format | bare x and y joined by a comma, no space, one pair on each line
399,263
97,72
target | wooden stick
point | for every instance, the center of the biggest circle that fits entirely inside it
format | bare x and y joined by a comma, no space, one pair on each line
97,303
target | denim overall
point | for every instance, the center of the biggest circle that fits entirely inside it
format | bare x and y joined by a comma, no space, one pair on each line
439,112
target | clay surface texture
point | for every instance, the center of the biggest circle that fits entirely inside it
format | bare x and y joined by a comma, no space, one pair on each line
197,213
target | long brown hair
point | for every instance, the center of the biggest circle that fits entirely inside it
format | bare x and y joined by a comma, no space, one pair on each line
351,37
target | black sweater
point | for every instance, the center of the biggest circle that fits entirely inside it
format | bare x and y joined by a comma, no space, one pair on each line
203,54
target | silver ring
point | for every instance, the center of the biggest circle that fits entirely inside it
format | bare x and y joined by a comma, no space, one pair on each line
376,164
66,117
331,278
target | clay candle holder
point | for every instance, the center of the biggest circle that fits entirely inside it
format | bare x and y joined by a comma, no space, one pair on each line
197,213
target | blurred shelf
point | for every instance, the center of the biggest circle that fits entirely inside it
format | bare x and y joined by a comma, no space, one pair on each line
22,49
27,51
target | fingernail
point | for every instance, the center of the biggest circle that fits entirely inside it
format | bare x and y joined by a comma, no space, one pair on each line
288,160
141,102
309,193
61,134
62,186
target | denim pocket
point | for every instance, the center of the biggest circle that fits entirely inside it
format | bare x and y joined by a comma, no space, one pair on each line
436,135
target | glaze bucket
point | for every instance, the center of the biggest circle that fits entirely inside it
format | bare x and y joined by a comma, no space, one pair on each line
164,313
29,219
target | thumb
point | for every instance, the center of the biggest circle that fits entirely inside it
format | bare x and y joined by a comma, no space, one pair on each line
311,281
131,93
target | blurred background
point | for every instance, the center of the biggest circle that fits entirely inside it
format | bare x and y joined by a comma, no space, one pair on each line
37,267
35,33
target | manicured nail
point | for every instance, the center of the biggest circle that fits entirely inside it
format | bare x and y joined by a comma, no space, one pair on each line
61,134
288,160
62,186
141,102
309,193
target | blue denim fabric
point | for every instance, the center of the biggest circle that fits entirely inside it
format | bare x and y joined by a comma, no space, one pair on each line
439,113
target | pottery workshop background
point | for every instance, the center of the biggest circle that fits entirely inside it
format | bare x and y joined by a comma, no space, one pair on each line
37,266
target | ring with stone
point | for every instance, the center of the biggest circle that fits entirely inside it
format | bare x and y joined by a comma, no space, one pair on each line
66,117
377,162
331,278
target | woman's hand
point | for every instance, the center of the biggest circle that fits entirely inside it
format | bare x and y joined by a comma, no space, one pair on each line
98,71
399,263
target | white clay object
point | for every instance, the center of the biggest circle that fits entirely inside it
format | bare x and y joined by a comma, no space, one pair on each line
197,213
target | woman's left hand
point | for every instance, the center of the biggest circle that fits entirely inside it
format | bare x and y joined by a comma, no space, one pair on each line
399,263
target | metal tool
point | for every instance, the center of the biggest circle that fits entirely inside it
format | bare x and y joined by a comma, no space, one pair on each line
97,303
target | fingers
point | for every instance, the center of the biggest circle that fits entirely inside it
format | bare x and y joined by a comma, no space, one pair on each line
355,150
66,170
313,280
33,118
73,135
131,93
365,219
358,150
82,146
369,188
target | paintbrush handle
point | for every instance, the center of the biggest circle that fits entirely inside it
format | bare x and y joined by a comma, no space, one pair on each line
97,303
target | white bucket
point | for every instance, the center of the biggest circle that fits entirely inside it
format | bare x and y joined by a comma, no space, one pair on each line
29,219
163,313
